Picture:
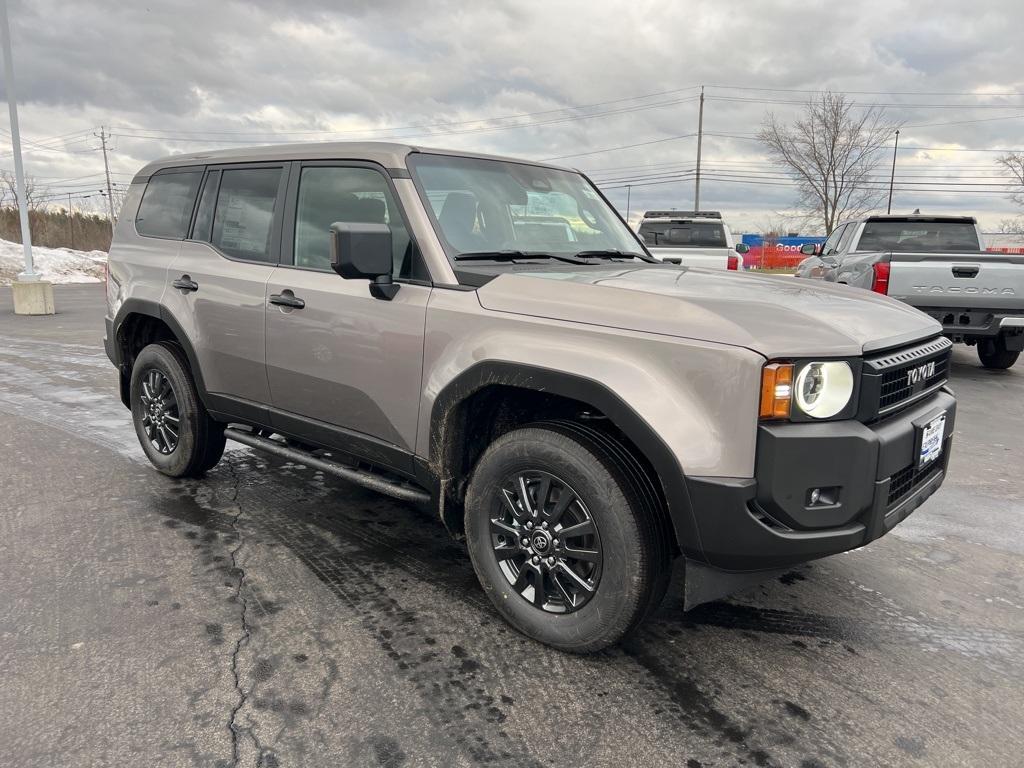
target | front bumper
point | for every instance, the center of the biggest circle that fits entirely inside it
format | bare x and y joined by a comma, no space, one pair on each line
767,522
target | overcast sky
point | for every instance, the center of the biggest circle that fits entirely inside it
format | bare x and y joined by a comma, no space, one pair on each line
604,86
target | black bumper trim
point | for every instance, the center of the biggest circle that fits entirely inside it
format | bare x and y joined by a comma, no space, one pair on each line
759,524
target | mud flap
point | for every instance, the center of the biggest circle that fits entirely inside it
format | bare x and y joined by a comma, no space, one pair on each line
704,584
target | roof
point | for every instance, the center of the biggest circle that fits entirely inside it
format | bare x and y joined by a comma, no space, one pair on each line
920,217
386,154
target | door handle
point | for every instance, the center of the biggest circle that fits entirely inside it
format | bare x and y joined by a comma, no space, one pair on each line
965,271
287,299
185,283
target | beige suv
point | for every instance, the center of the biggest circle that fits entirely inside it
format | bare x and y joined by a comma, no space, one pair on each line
487,336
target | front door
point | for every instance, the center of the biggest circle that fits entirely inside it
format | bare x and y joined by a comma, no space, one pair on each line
344,367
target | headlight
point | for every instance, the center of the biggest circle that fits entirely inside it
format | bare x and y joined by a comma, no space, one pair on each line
819,390
822,390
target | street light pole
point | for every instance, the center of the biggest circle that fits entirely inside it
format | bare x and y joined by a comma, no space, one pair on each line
629,188
700,141
892,177
32,296
19,172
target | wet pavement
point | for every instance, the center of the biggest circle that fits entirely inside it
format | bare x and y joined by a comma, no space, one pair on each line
268,615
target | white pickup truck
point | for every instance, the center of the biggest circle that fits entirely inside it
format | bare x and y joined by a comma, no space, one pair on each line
691,238
936,264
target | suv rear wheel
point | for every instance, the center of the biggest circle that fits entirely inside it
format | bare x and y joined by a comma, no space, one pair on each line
994,354
173,426
562,539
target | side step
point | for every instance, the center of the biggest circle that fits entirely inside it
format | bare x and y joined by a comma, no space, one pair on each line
359,477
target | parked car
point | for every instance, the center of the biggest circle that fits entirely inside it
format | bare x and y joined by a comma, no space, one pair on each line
692,238
580,413
936,264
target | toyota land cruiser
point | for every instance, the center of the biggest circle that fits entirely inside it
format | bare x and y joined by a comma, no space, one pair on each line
487,336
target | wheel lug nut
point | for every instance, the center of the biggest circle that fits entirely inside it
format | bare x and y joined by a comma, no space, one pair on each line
536,560
544,525
551,561
529,524
525,541
555,542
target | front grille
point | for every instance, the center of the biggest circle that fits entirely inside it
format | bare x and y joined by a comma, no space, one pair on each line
900,377
908,480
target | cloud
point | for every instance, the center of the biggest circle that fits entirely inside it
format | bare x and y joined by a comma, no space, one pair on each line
178,76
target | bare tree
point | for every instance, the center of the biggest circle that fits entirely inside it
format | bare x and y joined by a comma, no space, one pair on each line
1013,163
1014,226
831,152
35,196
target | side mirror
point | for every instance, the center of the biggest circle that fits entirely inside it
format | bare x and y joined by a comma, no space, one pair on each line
809,249
742,248
361,251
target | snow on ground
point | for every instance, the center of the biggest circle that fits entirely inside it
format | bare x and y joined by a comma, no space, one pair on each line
58,265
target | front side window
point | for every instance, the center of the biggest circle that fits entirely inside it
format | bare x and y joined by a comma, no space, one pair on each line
485,206
244,215
332,194
166,207
833,240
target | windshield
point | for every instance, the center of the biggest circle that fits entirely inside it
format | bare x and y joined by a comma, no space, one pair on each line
494,207
927,236
683,234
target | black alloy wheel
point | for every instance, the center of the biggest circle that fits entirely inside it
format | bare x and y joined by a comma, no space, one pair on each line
160,417
546,541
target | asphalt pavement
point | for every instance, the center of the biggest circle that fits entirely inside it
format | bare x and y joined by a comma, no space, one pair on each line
269,615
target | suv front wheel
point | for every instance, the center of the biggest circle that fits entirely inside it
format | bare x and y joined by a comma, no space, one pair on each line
173,426
562,538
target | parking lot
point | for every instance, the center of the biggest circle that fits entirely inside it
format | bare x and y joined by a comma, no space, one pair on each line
267,615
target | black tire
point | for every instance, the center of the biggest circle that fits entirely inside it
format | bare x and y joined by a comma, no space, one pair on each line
198,441
994,354
630,573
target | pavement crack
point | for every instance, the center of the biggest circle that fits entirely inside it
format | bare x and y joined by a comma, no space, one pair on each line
237,730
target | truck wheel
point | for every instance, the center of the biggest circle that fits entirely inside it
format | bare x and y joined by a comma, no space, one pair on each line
174,428
994,354
561,538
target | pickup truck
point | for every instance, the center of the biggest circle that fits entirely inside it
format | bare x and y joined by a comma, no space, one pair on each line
936,264
691,238
584,417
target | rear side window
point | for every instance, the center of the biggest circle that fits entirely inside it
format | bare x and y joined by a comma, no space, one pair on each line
244,216
167,205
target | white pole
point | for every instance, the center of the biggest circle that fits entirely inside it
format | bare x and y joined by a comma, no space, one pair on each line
29,274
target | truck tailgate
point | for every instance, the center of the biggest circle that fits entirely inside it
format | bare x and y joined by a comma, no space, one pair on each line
711,258
991,281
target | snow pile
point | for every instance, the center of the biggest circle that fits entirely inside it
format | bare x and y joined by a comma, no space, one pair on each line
58,265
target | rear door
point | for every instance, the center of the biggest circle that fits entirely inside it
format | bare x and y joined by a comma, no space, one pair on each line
218,290
345,368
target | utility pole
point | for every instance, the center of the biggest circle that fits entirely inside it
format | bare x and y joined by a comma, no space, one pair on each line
32,296
71,222
106,169
700,140
629,188
892,177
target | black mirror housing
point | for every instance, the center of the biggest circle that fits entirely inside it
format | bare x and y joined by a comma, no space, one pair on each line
809,249
363,251
742,248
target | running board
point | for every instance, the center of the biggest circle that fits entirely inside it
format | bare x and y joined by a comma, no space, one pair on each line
359,477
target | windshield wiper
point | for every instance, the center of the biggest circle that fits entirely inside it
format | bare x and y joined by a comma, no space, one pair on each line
613,253
512,255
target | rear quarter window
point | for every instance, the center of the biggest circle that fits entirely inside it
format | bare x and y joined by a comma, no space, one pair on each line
244,216
167,203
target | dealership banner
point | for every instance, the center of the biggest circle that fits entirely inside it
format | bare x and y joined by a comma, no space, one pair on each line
777,253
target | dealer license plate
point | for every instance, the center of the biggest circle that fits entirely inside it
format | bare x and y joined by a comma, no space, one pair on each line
931,441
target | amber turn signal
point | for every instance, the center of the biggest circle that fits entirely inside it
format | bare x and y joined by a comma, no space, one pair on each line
776,390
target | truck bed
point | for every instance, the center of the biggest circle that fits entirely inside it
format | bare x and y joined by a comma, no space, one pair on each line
966,280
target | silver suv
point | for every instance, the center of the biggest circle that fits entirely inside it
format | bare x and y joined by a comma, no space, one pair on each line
487,336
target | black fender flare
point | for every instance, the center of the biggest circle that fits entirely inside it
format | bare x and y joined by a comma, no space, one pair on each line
593,393
155,310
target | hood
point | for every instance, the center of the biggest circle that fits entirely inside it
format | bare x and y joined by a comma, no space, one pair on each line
775,315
